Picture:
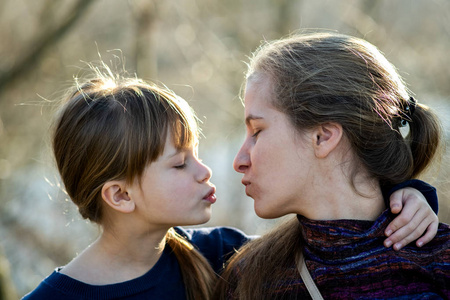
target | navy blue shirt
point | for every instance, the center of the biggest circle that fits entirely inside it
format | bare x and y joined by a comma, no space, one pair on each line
163,281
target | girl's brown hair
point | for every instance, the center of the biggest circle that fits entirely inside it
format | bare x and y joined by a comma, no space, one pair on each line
328,77
111,128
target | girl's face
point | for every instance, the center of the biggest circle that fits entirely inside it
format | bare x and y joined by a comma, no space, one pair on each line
175,189
274,158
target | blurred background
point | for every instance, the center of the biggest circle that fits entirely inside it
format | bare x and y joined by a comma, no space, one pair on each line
198,48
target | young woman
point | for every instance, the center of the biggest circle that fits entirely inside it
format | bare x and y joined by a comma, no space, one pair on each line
126,151
324,115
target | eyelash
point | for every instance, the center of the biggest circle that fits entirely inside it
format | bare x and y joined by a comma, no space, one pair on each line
256,133
180,166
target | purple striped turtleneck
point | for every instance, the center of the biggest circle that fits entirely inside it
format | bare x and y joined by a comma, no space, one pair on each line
347,260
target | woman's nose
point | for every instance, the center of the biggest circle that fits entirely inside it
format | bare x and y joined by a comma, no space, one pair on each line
242,160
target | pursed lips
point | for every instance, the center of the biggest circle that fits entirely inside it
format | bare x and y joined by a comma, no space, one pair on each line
247,184
210,196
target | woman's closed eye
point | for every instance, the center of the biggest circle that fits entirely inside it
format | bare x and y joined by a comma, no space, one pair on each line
256,133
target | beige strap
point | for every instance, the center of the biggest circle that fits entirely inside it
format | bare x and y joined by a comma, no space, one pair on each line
306,277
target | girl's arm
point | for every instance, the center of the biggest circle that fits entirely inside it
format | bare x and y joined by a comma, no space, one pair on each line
416,219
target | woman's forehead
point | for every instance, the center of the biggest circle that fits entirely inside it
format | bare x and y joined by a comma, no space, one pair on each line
258,94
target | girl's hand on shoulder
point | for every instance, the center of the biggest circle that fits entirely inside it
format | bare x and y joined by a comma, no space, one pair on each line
416,219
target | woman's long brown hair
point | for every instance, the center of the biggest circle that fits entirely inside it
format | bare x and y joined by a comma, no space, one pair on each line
111,128
260,266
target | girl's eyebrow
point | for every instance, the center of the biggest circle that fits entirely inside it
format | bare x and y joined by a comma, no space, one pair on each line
250,118
170,155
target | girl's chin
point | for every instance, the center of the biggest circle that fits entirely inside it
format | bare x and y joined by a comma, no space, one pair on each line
197,219
206,217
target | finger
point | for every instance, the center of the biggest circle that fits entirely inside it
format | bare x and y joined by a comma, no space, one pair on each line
401,238
401,220
429,235
411,237
395,201
411,232
412,229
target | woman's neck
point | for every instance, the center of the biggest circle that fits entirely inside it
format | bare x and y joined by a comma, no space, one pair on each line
117,256
338,199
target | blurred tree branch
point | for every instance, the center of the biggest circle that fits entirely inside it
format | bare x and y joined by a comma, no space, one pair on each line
42,42
145,15
283,23
7,289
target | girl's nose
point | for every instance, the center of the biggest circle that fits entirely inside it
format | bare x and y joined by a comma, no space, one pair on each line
205,172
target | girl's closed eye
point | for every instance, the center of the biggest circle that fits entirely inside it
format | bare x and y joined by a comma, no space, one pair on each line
180,166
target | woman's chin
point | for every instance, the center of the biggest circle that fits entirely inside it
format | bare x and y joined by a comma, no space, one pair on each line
265,213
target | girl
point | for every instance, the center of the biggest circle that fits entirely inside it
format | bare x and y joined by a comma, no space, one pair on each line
323,115
127,154
126,151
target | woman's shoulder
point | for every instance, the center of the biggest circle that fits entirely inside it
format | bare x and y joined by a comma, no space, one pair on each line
441,242
439,245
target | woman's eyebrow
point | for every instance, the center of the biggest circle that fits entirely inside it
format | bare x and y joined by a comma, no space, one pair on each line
250,118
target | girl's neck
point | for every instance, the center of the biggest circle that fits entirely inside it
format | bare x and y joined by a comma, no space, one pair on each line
117,257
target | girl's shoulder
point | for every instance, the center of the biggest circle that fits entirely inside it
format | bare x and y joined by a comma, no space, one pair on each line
217,244
162,281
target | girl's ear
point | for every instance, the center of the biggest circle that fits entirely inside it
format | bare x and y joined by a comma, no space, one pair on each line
326,138
114,193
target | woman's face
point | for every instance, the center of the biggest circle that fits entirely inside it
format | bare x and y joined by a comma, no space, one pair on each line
275,159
